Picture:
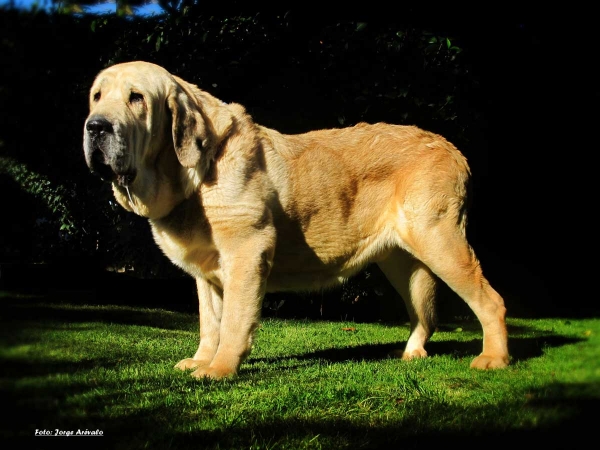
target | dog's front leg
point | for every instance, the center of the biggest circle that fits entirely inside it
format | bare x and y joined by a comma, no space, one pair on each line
210,302
243,291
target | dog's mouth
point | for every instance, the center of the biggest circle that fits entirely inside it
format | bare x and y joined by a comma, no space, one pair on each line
107,172
99,167
125,179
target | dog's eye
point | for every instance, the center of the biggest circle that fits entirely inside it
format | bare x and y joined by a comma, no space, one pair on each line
97,96
134,97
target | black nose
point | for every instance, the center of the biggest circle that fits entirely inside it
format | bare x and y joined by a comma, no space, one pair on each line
98,125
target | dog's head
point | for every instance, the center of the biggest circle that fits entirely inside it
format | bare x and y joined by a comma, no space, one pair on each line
146,128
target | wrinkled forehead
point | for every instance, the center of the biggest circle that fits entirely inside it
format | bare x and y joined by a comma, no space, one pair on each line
137,77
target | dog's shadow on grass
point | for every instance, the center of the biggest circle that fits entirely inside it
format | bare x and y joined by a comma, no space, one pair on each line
520,348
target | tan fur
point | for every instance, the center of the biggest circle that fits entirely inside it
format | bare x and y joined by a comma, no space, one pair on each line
245,209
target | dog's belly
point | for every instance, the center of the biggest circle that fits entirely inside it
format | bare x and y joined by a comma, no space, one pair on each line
327,262
308,280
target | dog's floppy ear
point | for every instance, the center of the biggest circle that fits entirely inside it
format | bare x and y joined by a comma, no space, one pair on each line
199,122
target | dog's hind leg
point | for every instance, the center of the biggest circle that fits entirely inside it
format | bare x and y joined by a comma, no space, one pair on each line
416,285
443,248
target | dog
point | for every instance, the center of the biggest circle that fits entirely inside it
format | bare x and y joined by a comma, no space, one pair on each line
247,210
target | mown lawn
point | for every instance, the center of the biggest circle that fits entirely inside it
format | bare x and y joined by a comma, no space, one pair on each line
307,384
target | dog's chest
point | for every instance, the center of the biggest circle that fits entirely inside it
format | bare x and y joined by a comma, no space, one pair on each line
191,252
185,239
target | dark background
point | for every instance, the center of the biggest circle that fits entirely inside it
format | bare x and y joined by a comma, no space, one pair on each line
525,108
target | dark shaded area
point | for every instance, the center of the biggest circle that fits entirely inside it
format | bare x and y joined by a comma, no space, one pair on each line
26,310
89,284
347,435
399,435
394,435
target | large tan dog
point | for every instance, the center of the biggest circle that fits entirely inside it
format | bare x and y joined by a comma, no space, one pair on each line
245,209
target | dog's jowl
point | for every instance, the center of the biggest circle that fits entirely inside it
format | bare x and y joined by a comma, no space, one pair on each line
246,210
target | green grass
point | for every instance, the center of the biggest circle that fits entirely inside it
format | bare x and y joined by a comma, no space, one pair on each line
307,384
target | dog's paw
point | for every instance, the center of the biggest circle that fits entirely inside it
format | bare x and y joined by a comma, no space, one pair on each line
189,363
214,373
414,354
484,362
407,355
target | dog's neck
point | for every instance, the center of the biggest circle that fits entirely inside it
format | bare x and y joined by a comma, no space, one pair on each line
157,188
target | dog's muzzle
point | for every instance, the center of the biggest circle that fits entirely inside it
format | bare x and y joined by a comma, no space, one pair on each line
101,152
